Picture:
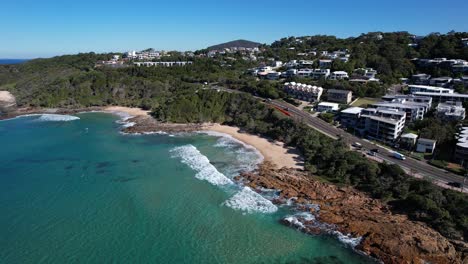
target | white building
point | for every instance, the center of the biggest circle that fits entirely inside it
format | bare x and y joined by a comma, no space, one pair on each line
304,73
339,75
303,91
426,145
383,124
327,107
451,111
320,73
429,89
273,75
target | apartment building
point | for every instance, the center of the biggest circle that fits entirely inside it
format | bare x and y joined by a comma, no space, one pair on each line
429,89
340,96
451,111
303,91
328,107
414,110
383,124
444,97
339,75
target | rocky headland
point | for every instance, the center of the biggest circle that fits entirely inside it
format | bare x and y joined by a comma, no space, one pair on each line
386,236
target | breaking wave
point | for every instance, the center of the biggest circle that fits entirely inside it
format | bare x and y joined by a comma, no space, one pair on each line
200,163
49,117
250,202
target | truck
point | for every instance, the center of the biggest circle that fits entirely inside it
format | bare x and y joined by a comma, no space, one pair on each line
399,156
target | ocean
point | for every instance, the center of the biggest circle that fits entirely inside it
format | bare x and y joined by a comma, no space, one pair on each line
73,189
12,61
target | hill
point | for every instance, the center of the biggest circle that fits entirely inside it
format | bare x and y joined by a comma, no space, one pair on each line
236,43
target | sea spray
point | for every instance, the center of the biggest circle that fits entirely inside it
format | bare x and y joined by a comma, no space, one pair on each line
250,202
191,156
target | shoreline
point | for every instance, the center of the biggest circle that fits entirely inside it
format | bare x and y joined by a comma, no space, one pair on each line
272,151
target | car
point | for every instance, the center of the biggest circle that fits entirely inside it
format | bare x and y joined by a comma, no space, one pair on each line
371,153
454,184
357,145
286,108
375,150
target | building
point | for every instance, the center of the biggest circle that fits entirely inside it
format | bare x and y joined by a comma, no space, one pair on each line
340,96
420,79
306,63
368,73
408,97
425,145
383,124
325,64
461,149
408,140
460,68
304,73
444,97
163,63
414,110
320,73
452,111
441,81
349,117
339,75
327,107
428,89
273,75
303,92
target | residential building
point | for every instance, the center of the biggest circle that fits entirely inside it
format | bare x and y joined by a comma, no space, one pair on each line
276,64
425,145
460,68
339,75
273,75
303,92
461,149
408,140
290,73
428,89
304,73
444,97
327,107
383,124
163,63
421,79
349,117
414,110
306,63
408,97
340,96
320,73
450,110
465,42
441,81
325,64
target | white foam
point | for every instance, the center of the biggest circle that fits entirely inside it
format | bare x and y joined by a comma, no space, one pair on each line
200,163
249,201
348,239
57,118
298,219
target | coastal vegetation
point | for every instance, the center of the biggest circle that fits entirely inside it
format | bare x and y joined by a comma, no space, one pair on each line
178,94
444,210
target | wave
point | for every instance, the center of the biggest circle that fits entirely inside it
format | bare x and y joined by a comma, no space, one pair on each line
247,155
249,201
57,118
347,239
200,163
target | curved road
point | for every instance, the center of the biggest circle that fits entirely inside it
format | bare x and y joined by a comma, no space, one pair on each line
412,166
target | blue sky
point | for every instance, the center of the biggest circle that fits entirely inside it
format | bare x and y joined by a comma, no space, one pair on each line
44,28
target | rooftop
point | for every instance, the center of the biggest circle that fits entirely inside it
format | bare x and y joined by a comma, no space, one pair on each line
426,140
339,91
352,110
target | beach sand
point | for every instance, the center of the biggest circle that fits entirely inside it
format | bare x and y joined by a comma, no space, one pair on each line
128,110
275,152
7,98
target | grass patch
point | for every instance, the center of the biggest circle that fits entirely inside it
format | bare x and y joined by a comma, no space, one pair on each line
362,102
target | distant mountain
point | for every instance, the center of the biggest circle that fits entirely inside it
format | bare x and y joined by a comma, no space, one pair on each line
236,43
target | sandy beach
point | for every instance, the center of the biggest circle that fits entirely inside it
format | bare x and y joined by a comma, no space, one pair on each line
133,111
275,152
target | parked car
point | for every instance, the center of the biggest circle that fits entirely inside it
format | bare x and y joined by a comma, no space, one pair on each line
376,150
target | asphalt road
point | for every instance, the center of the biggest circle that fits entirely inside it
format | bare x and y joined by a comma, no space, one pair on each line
411,165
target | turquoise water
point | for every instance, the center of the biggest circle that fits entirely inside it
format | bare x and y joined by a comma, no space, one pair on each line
81,192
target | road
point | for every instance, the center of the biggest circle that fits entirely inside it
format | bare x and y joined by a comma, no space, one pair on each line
412,166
